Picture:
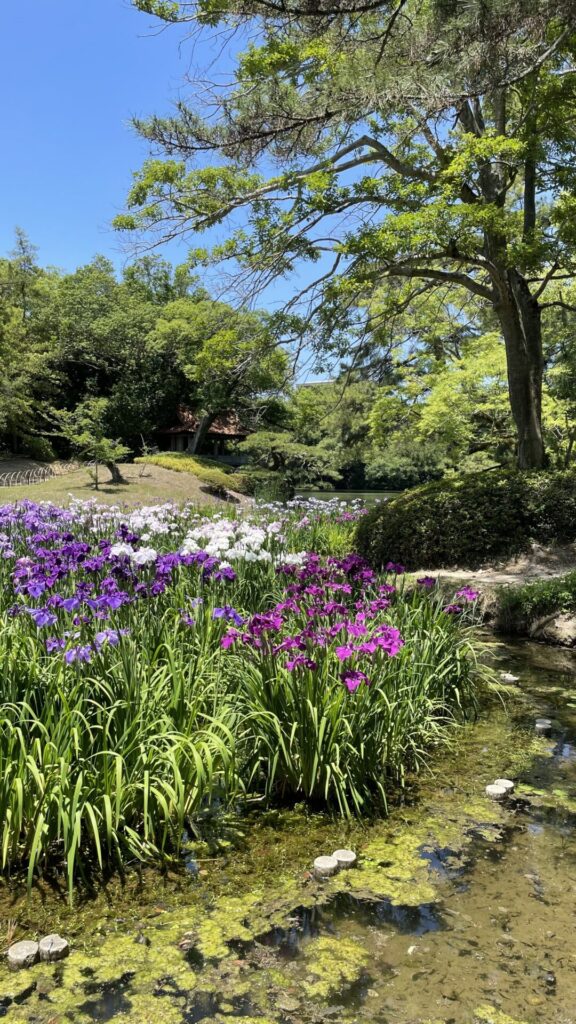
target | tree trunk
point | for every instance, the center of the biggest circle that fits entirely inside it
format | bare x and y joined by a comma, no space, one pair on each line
204,424
520,319
114,470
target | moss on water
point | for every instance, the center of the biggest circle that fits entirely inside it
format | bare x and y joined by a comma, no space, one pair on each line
490,1015
557,798
331,966
232,921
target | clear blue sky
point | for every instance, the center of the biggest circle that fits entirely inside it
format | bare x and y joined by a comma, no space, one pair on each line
72,73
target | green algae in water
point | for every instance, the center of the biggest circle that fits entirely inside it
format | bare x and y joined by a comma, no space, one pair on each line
332,965
490,1015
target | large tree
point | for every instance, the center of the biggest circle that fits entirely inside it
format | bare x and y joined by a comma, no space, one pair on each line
428,141
228,358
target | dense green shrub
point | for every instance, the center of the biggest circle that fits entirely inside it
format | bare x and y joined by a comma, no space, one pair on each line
519,606
471,519
39,448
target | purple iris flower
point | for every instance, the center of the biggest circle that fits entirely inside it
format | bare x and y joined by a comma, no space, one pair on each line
55,643
229,613
301,662
352,678
81,653
229,638
344,652
109,636
226,572
395,567
42,617
467,593
427,581
453,609
389,640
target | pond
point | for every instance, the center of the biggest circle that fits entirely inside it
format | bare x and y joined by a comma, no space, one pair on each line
460,910
368,497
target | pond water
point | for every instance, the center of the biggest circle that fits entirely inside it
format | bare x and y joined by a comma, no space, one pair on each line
460,910
369,497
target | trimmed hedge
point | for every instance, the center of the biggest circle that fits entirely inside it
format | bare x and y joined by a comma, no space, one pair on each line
207,470
470,520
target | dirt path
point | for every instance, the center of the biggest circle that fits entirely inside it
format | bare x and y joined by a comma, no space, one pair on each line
539,564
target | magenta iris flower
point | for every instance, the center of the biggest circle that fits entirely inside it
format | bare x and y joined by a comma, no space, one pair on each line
396,568
453,609
467,593
344,652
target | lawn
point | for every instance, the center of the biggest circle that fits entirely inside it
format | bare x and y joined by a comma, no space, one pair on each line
144,483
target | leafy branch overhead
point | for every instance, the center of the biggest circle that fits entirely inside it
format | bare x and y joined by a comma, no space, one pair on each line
432,143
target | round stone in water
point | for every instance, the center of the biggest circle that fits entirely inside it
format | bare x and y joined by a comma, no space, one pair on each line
345,858
22,954
543,725
325,866
53,947
506,784
496,792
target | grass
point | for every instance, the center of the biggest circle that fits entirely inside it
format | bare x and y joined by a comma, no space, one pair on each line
217,474
146,484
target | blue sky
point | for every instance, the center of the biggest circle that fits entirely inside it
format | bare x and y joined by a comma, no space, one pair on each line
72,73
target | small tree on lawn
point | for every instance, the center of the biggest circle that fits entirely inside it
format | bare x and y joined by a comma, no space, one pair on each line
85,429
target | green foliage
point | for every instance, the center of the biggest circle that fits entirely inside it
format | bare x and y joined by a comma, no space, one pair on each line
145,344
39,448
207,470
297,463
114,761
84,429
520,605
374,169
228,357
470,519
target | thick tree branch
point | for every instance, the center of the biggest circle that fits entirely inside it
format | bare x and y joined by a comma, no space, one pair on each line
451,276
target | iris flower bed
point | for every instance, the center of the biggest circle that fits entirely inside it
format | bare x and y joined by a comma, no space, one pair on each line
157,663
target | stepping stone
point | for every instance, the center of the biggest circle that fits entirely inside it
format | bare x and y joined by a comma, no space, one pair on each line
53,947
506,784
22,954
325,866
345,858
496,792
543,726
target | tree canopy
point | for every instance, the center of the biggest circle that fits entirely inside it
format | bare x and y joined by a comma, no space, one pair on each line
418,142
113,358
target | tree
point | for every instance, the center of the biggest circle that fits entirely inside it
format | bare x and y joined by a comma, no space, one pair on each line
85,429
229,358
28,377
430,142
297,463
336,415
